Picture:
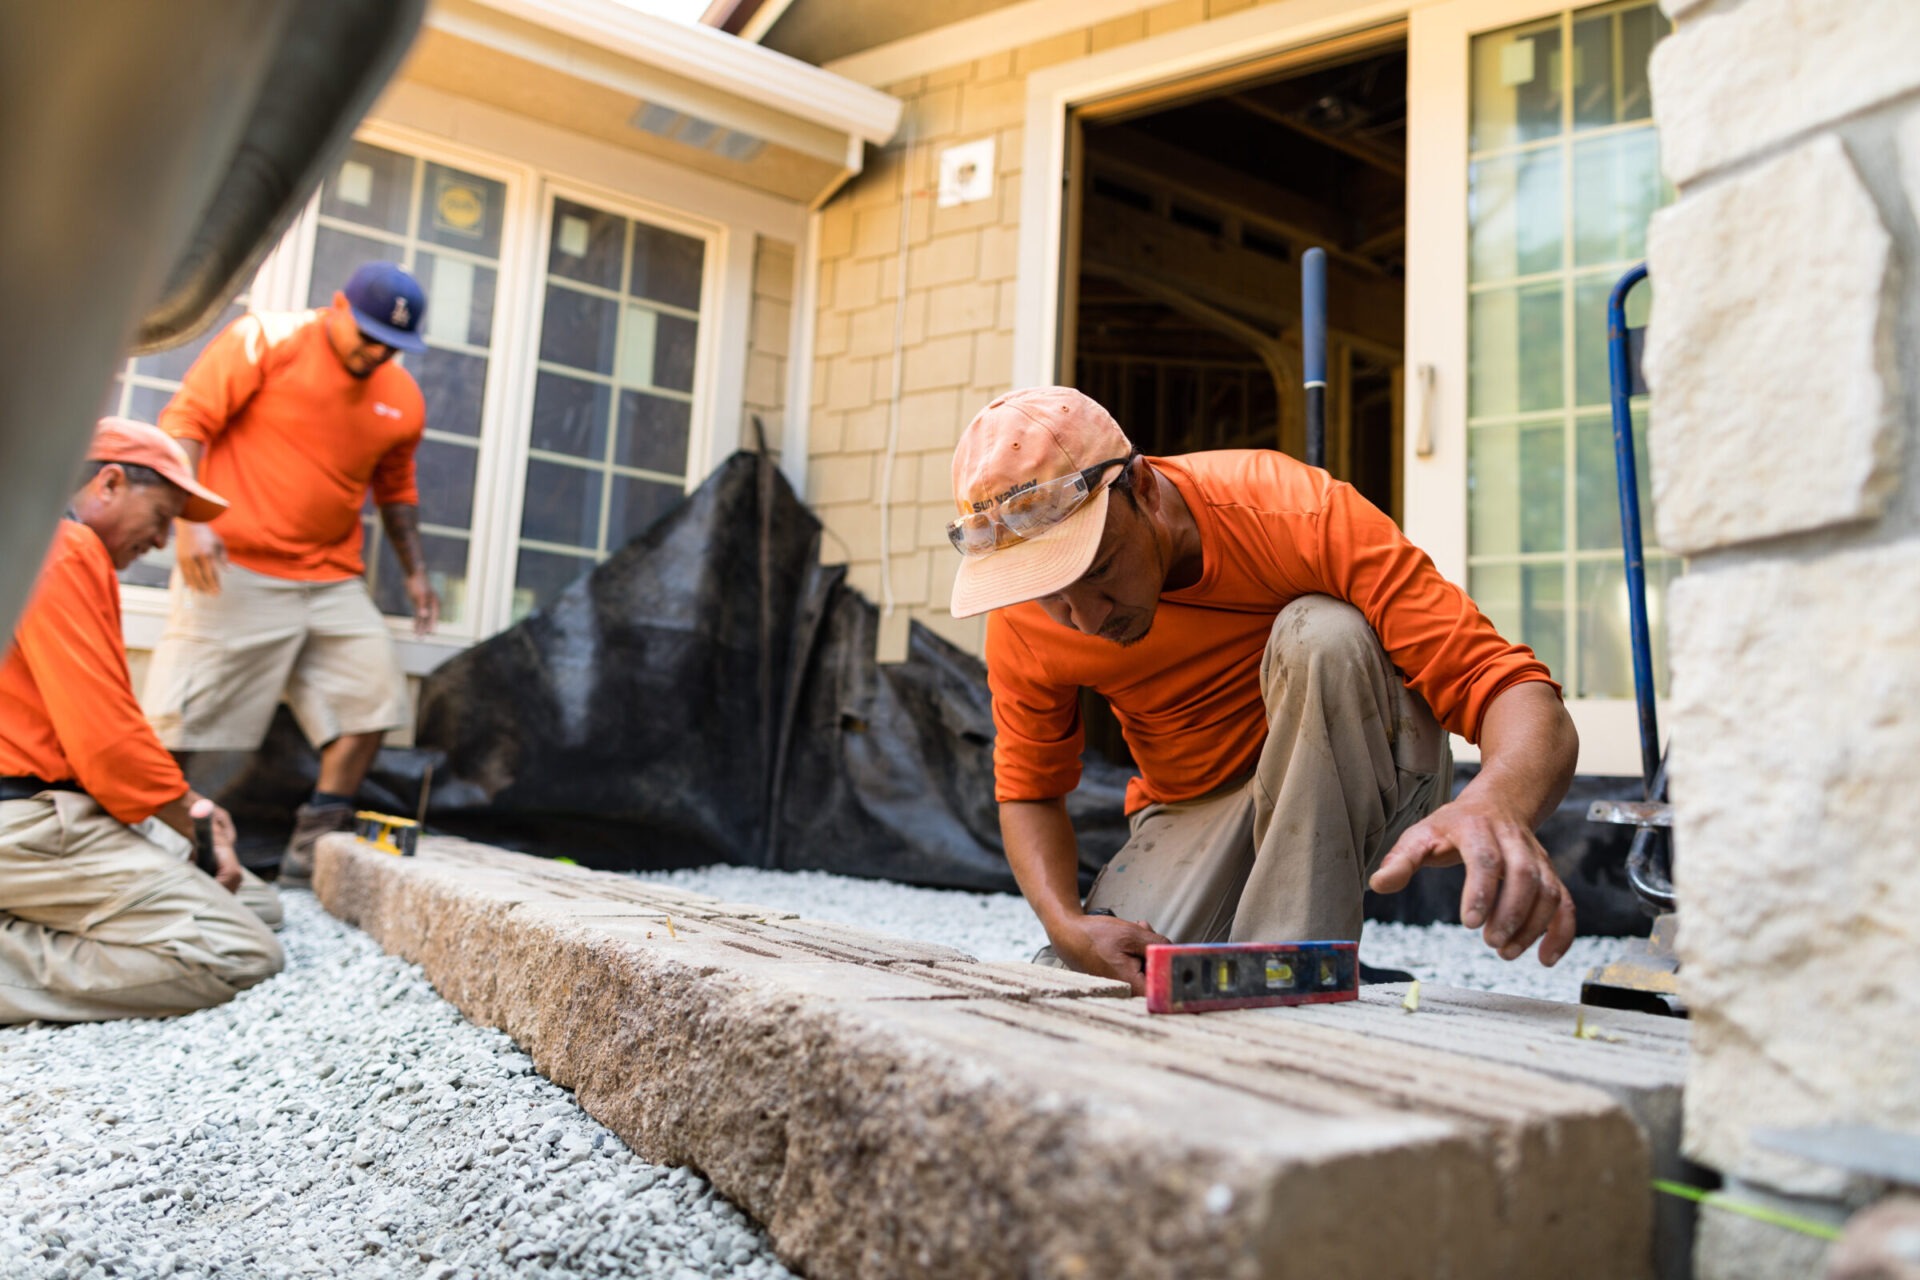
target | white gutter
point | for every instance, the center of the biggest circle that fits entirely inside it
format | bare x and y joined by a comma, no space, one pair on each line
718,60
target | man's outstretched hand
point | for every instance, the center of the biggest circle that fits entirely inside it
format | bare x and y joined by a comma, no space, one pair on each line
1512,888
1108,947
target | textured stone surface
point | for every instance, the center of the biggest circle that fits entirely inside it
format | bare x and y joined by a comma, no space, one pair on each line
1736,78
1794,750
1771,354
891,1109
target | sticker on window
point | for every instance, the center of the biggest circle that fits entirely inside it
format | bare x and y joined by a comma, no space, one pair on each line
572,239
354,185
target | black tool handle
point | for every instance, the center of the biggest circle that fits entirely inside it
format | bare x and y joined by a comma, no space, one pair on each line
203,845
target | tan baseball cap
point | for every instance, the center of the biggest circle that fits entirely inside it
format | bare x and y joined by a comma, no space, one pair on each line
1021,439
145,445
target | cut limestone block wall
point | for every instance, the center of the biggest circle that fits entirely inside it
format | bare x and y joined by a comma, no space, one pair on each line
768,341
1784,356
947,347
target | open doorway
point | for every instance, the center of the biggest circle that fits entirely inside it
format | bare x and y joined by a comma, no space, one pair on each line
1193,205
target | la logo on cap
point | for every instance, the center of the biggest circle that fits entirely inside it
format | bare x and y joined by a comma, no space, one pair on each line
401,316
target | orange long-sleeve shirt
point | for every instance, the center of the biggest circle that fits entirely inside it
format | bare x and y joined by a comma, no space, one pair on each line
67,709
294,441
1188,695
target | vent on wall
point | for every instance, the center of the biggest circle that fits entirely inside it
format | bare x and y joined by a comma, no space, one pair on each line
678,126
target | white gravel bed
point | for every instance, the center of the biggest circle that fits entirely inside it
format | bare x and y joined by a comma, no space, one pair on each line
340,1119
999,926
343,1119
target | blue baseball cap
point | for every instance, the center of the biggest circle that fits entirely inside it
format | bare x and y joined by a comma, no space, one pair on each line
388,305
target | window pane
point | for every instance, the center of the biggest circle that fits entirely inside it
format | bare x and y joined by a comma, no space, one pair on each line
1616,188
1592,385
666,266
455,388
1516,351
540,576
446,482
461,211
145,403
635,504
1609,90
459,300
1597,488
570,416
1513,205
335,256
446,570
1527,604
1606,641
673,353
579,330
653,433
1516,485
587,244
562,505
373,187
1516,85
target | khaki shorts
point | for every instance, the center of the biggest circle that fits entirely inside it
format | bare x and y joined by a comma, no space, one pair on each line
225,662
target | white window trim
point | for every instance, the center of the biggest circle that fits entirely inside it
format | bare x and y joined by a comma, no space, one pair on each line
1436,485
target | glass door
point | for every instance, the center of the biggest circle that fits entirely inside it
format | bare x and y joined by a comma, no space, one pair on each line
1536,170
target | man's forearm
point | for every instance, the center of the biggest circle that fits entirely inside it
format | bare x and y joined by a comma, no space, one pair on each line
1045,857
402,523
178,813
1528,751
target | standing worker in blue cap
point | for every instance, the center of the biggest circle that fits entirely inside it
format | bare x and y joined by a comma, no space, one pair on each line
296,416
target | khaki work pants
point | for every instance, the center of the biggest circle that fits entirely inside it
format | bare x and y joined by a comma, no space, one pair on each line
100,921
1352,759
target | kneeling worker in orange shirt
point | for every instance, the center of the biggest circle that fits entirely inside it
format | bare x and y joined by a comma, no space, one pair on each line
298,416
103,913
1285,666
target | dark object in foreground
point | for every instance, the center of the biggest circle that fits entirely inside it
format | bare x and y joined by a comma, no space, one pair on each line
1197,977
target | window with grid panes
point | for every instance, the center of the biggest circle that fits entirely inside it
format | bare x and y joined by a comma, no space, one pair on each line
444,225
1563,175
613,395
140,391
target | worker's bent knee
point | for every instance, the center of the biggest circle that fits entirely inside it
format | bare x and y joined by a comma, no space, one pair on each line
1316,626
248,957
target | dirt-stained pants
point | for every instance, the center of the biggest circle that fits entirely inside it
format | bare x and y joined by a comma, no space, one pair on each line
1352,759
100,921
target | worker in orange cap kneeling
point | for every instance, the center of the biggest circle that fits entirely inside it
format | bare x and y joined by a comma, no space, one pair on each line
103,913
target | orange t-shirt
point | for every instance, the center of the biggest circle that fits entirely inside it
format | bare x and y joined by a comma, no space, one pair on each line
67,710
293,441
1188,694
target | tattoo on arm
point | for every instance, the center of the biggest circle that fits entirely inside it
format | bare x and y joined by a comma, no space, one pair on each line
402,523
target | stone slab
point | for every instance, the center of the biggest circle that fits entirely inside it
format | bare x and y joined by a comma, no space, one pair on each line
1771,355
886,1108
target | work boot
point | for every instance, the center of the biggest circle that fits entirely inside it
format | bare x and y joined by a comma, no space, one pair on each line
309,824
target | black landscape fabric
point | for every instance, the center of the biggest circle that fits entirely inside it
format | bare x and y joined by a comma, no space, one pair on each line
710,694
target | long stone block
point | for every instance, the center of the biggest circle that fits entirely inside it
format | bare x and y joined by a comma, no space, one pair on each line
892,1108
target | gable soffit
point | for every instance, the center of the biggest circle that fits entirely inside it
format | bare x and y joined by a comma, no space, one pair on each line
821,31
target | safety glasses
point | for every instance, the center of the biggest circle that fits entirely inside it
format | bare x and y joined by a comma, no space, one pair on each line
1027,511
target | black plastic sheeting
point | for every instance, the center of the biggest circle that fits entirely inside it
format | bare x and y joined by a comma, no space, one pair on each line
710,694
